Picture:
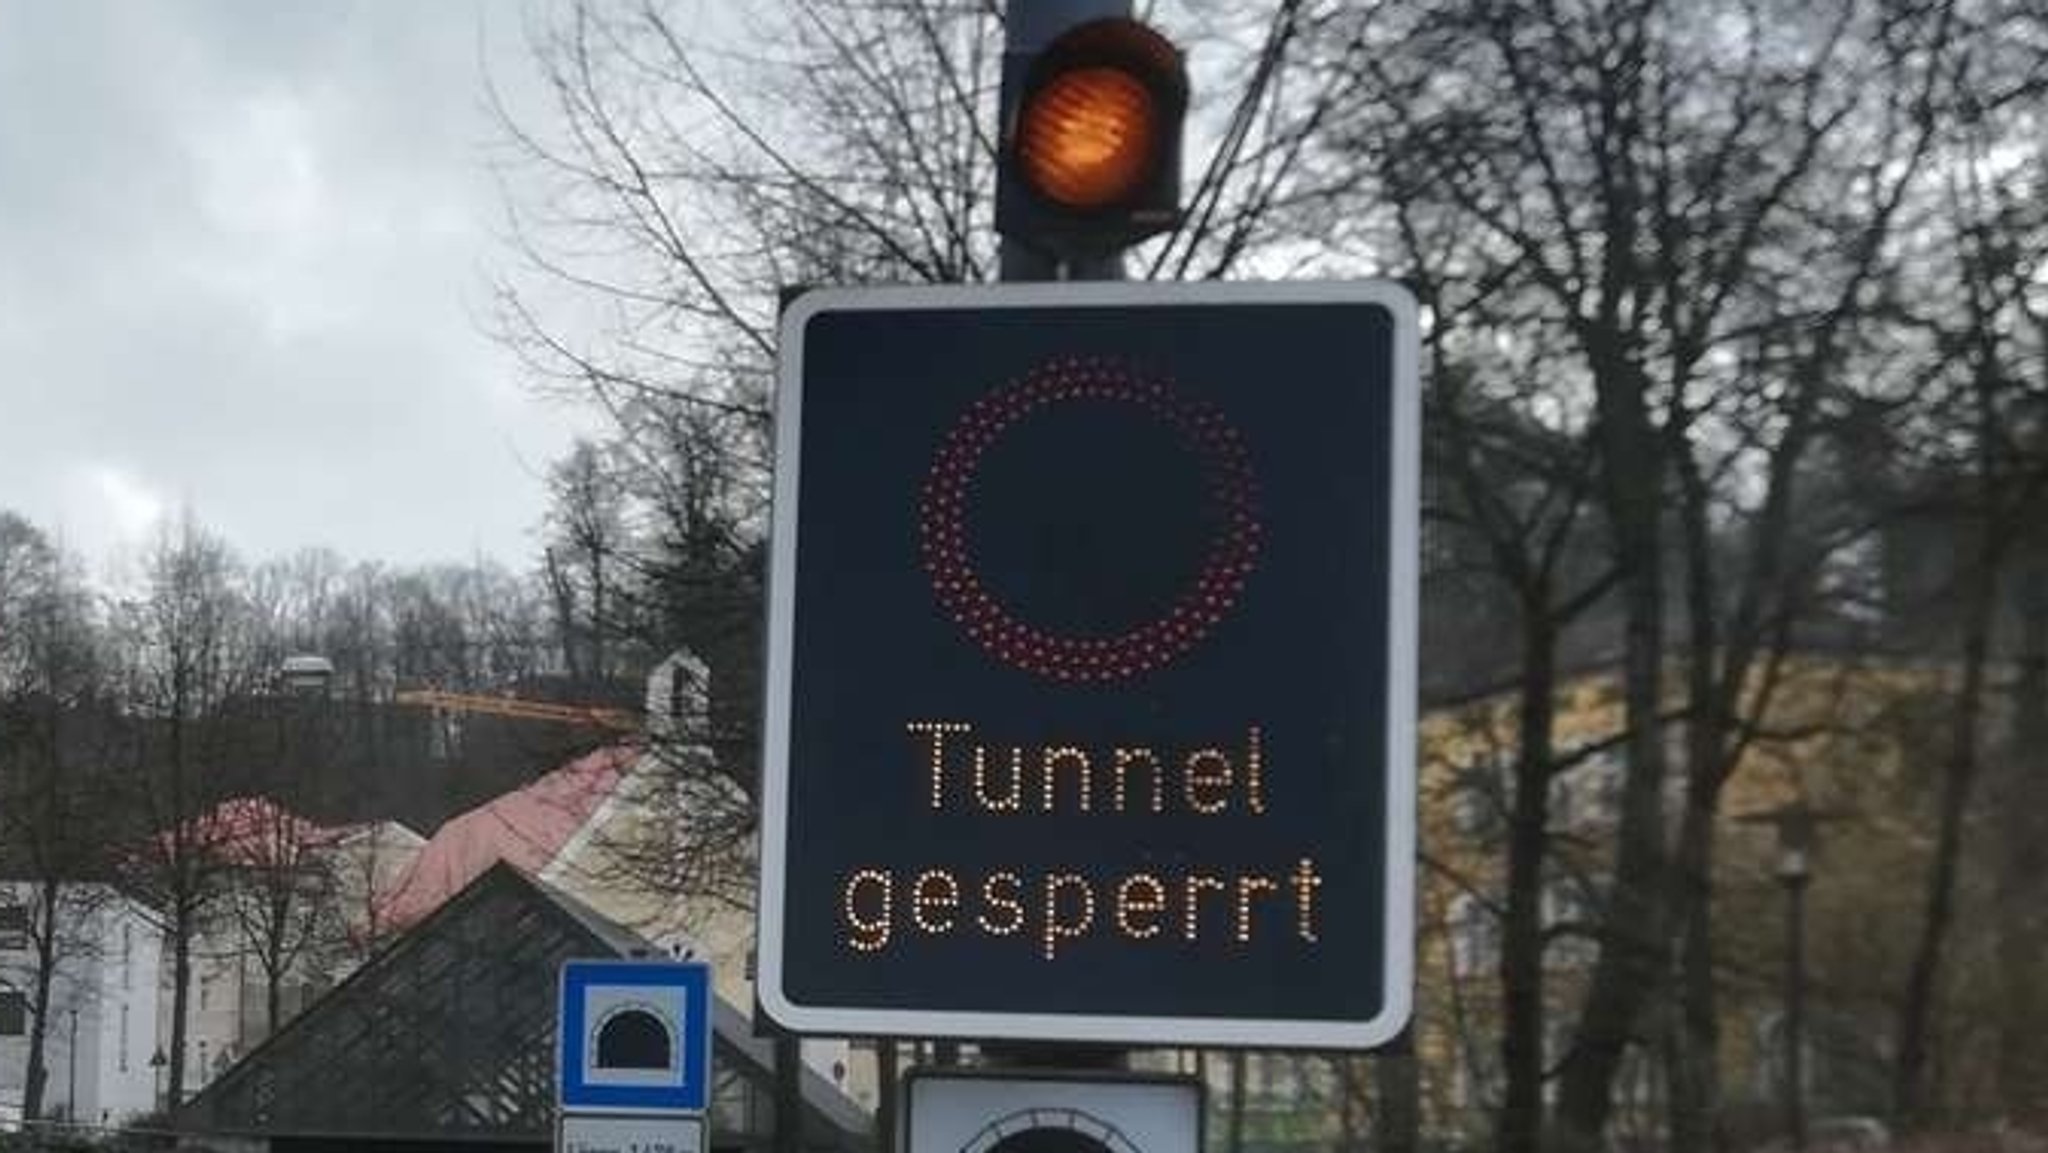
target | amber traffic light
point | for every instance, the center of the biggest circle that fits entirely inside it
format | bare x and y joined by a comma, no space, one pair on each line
1085,141
1091,147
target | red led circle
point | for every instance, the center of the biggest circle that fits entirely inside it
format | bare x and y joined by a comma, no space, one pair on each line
1213,593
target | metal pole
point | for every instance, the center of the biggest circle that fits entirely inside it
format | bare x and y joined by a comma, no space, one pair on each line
1795,1011
1235,1141
1027,26
886,1073
789,1100
71,1093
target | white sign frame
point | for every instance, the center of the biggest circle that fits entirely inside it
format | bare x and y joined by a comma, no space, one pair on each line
1404,545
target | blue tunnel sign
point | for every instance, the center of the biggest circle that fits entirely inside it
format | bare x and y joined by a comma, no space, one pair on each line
634,1036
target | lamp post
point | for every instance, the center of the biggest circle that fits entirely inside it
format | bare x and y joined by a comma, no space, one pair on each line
1794,870
1795,823
71,1086
307,680
307,674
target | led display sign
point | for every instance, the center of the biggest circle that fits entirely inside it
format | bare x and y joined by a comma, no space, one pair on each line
1090,686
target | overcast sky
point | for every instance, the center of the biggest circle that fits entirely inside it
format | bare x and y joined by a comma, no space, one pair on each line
244,257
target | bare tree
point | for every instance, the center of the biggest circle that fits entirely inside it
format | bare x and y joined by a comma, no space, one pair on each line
1514,494
56,731
1684,210
2021,885
189,654
584,559
676,186
279,893
1992,341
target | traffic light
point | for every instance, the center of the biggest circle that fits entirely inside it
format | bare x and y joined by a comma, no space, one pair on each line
1090,159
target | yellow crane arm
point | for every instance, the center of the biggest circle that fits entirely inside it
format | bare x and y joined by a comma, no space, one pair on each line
616,719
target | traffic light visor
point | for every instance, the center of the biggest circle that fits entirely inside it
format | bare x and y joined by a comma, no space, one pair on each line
1092,127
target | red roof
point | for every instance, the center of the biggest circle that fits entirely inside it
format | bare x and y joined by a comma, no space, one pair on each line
526,828
251,831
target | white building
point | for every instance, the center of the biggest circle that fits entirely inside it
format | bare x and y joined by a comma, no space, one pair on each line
354,869
100,1031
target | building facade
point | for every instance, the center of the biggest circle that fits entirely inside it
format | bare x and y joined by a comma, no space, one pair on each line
99,1032
346,876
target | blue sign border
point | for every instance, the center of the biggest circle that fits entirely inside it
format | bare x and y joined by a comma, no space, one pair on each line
692,1094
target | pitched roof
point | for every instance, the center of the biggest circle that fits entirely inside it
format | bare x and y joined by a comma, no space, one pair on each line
253,831
526,828
449,1033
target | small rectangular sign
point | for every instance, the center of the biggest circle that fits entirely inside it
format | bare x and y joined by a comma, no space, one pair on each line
630,1133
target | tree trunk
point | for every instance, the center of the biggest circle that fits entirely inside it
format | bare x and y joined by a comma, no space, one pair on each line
2022,884
182,912
1633,936
1397,1101
1695,1067
181,995
1348,1094
1917,1010
564,597
38,1074
598,669
1234,1134
1693,1064
273,997
1520,1124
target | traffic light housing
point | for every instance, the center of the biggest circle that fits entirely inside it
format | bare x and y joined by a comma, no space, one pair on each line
1091,140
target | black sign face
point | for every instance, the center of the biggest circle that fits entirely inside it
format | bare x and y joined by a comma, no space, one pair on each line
1091,671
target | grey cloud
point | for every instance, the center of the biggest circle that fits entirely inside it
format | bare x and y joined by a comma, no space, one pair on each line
242,252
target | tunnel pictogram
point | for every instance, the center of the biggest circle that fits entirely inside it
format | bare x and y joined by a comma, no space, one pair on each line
633,1039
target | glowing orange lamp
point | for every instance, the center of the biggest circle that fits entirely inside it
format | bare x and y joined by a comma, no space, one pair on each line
1086,139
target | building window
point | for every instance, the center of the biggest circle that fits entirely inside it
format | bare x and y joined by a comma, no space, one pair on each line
122,1059
1481,798
1564,795
127,956
13,1013
1572,922
1475,937
13,926
1611,768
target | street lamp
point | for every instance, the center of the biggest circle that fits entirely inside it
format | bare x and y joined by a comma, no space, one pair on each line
1794,871
71,1086
305,679
307,674
1795,823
